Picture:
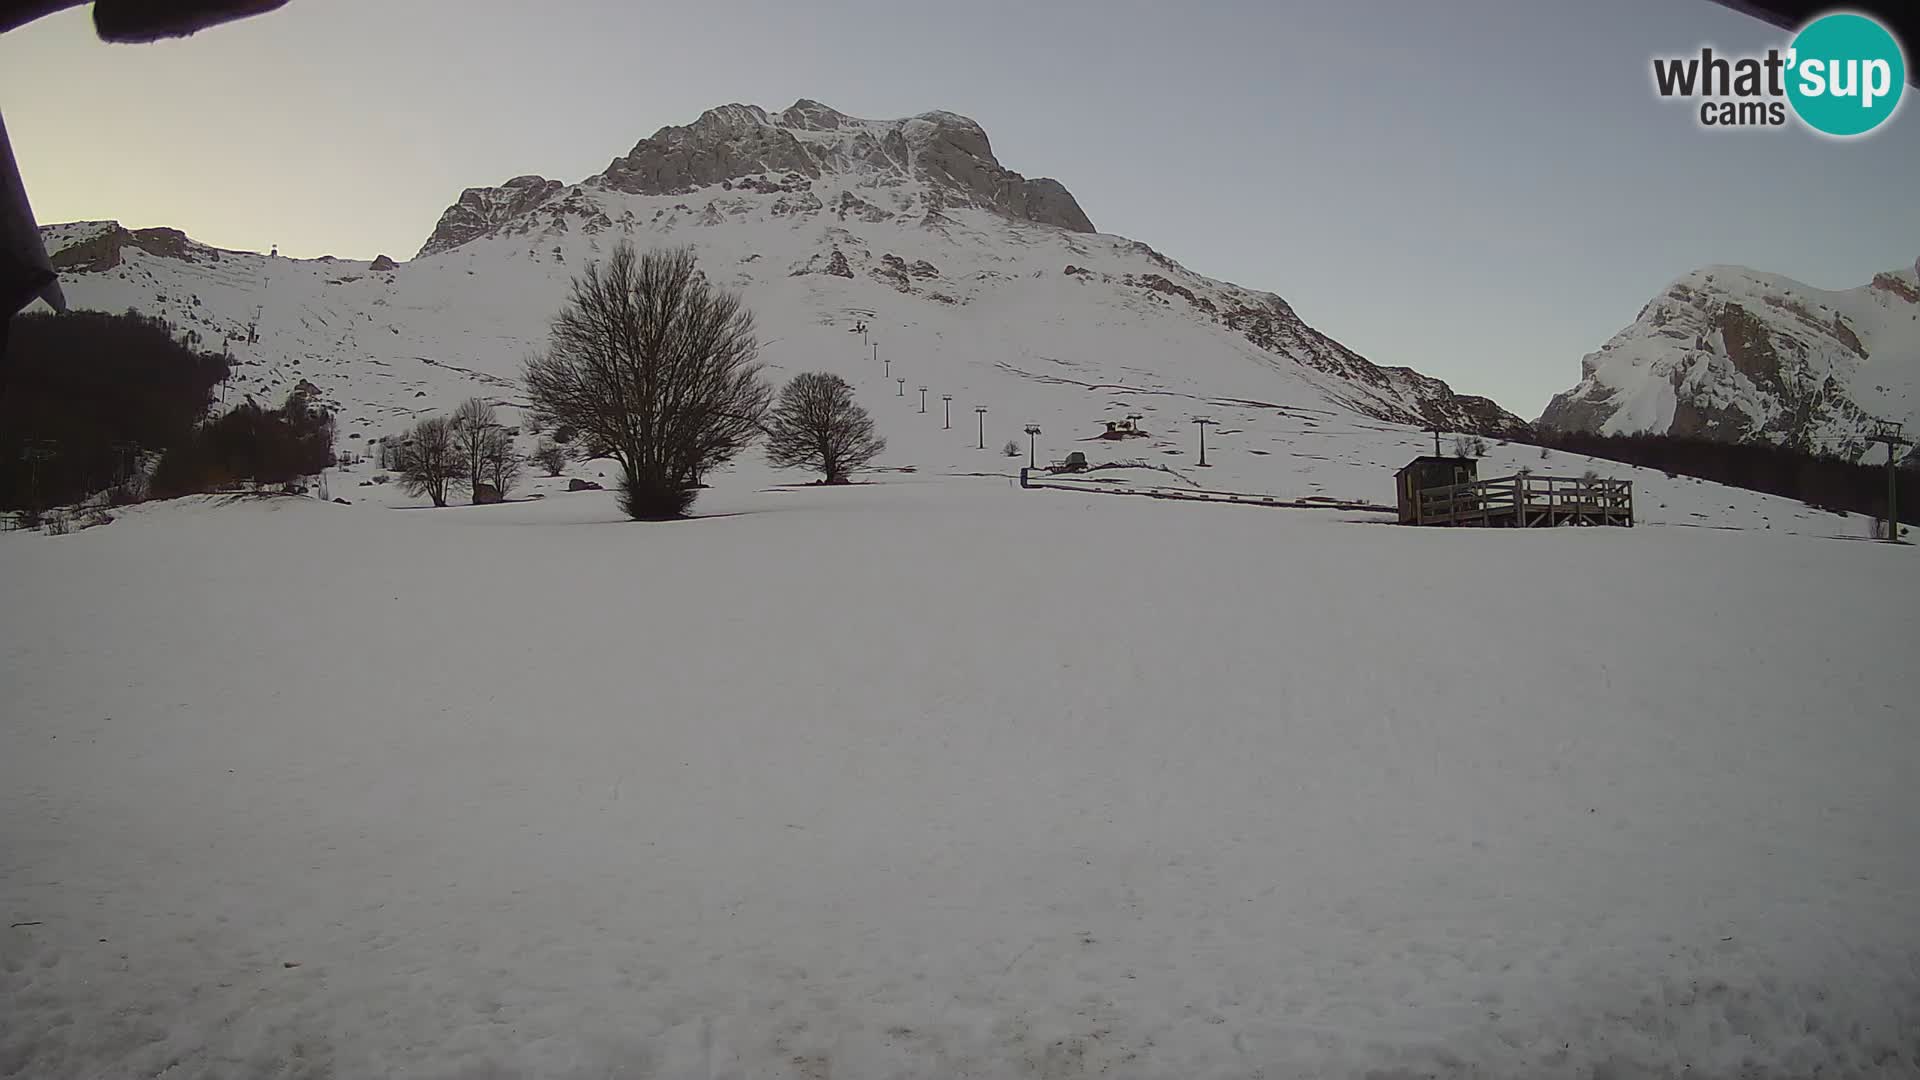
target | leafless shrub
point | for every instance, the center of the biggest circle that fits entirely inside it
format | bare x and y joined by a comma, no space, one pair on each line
551,456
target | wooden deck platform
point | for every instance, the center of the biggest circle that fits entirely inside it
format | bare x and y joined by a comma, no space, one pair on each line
1528,502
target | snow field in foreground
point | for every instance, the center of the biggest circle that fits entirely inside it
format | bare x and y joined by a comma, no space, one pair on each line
940,778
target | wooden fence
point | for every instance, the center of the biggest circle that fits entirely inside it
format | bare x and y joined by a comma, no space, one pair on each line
1529,502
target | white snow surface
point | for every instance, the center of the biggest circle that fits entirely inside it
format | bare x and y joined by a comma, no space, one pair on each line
935,777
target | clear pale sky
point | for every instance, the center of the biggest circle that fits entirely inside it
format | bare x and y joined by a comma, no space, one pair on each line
1483,190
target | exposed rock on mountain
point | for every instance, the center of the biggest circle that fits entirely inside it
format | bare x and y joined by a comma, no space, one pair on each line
810,140
1735,354
481,211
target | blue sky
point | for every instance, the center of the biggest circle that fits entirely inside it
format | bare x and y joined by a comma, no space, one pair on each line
1482,190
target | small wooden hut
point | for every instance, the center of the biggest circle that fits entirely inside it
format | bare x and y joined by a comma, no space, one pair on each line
1428,471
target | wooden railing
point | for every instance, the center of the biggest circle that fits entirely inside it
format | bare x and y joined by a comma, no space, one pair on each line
1528,501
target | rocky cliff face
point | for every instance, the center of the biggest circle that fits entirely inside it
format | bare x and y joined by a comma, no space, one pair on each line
480,211
1734,354
103,249
793,147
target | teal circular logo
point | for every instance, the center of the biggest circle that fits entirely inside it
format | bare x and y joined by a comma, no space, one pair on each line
1845,73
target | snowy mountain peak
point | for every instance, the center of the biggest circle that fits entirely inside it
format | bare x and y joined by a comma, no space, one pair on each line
810,115
1736,354
806,142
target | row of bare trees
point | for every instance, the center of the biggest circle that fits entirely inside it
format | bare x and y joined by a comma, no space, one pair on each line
657,369
469,448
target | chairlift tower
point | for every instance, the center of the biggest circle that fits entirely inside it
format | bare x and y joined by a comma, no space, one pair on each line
1202,422
1889,432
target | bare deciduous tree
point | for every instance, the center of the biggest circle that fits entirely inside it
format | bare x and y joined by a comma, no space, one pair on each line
500,466
551,456
817,425
655,368
1469,446
427,460
473,425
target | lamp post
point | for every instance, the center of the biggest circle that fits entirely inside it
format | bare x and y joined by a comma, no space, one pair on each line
923,399
1202,422
948,398
1033,430
902,380
886,367
981,411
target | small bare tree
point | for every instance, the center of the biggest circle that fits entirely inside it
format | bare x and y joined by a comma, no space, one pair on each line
500,466
1012,449
1469,446
654,367
473,425
818,426
427,460
551,456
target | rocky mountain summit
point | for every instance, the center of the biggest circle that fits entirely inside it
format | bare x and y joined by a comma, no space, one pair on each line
805,142
813,140
1734,354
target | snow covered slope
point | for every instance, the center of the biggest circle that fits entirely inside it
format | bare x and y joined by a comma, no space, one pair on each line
974,281
1735,354
938,778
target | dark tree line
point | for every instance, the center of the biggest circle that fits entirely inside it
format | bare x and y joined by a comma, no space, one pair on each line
1824,481
266,446
86,386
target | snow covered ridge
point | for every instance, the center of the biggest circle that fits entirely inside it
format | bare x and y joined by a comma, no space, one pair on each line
1739,355
975,280
949,152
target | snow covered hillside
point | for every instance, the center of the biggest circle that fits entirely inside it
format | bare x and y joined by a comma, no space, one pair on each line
1735,354
973,280
965,781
